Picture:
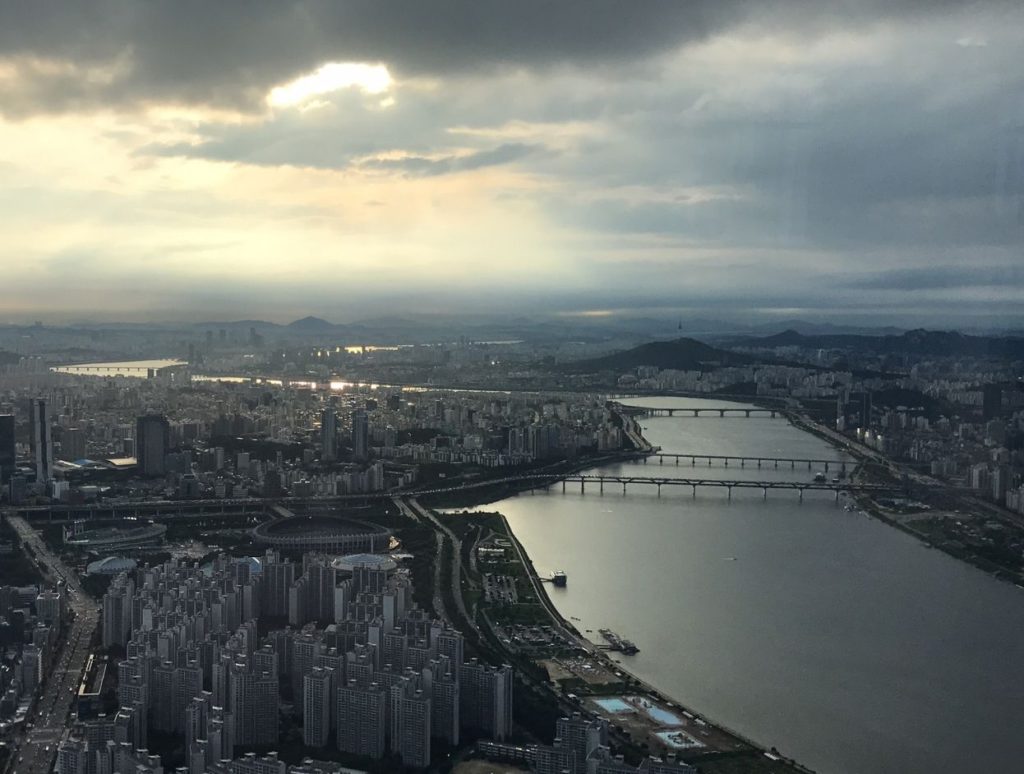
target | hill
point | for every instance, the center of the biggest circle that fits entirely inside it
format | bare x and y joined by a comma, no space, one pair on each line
679,354
916,342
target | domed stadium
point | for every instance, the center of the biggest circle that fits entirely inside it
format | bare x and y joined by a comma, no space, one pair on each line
352,562
323,533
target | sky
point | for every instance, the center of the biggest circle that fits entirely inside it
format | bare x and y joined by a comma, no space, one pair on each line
268,159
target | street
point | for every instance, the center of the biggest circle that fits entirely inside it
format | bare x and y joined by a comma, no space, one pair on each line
33,751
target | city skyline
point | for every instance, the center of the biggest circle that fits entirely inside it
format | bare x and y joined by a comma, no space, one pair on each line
276,160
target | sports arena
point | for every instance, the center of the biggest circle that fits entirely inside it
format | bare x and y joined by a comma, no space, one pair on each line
333,534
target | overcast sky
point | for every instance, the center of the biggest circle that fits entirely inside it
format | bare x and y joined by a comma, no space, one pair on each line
246,159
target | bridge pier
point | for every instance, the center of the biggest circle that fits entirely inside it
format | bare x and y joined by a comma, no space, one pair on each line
743,462
659,490
801,494
661,460
729,488
826,467
837,495
748,413
583,486
726,461
764,492
721,412
601,486
792,464
773,415
677,460
808,465
694,491
693,462
645,460
563,486
623,487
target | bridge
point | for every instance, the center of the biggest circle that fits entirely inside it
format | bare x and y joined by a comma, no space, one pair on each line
754,461
250,506
720,411
729,485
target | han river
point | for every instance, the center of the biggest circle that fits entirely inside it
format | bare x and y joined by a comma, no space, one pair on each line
842,641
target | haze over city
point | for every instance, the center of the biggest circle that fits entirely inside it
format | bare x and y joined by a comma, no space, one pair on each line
271,160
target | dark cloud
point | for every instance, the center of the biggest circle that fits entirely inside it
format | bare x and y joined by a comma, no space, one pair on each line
940,278
421,166
229,52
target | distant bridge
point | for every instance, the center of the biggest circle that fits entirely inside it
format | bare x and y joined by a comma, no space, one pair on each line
720,411
744,460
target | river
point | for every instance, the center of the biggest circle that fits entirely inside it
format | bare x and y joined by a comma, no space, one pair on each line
844,642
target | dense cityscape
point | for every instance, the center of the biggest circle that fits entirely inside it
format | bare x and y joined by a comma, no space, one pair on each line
254,570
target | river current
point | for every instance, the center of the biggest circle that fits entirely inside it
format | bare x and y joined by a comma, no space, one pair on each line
847,644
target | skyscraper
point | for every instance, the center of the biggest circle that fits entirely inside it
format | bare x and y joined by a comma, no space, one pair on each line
42,446
485,697
329,435
361,719
410,723
360,435
6,446
152,440
316,714
72,443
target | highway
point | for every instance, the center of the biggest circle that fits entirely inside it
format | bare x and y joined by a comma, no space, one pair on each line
33,752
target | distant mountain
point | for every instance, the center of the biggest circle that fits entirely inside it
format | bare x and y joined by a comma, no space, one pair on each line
311,324
916,342
678,354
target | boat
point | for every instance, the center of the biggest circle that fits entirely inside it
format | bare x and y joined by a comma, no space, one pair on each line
819,478
559,578
615,642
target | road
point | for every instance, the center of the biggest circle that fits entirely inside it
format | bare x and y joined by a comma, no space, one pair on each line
34,751
425,514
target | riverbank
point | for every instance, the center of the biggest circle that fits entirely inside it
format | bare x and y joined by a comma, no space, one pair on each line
773,760
725,746
946,511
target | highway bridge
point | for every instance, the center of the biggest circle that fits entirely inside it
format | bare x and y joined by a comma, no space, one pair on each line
720,411
658,482
752,460
253,506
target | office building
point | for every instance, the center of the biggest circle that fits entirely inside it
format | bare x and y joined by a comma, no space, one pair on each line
7,447
328,435
72,443
360,435
152,441
42,445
